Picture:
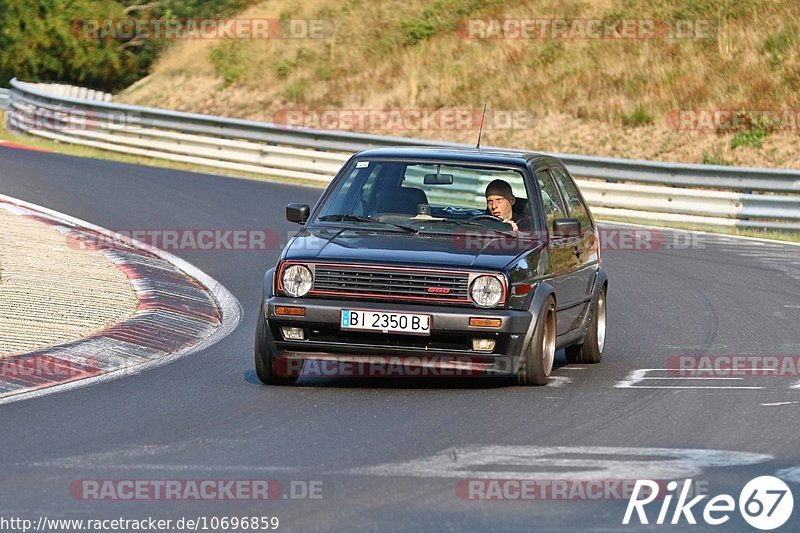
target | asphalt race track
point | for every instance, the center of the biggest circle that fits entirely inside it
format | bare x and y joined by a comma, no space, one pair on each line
390,453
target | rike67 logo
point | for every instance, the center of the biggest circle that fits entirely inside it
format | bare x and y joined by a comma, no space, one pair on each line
765,503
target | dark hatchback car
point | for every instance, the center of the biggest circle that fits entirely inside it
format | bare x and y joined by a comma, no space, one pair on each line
406,255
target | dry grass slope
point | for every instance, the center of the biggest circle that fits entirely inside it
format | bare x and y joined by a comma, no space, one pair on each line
604,97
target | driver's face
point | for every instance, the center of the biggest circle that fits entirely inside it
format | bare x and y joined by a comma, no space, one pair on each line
499,206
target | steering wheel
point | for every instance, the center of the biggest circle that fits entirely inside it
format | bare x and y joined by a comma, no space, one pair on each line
486,216
493,221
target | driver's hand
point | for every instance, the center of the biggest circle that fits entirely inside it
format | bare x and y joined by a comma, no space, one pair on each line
512,224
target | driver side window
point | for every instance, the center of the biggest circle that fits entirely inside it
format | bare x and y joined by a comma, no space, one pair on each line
551,200
577,208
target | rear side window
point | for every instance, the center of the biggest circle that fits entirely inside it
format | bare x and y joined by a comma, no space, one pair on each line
551,200
577,208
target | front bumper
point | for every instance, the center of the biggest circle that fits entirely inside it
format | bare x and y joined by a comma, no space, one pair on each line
448,348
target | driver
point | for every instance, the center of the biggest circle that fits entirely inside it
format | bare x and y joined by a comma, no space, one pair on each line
500,200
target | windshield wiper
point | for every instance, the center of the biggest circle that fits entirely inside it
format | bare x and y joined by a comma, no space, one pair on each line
358,218
476,224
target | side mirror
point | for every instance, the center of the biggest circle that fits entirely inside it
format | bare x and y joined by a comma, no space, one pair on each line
297,213
566,227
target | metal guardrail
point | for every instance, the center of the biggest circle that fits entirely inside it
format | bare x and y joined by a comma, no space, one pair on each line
4,98
74,91
706,195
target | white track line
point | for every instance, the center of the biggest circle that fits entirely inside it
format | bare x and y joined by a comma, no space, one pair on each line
562,462
230,307
639,375
685,378
559,381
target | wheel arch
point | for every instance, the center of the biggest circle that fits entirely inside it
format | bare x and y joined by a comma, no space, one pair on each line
542,294
600,282
268,284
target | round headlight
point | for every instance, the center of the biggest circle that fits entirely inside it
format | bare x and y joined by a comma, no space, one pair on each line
297,280
486,291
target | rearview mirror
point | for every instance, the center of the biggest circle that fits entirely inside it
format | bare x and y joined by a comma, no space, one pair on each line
438,179
566,227
297,213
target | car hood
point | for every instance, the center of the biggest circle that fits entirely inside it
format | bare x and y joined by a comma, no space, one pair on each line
383,247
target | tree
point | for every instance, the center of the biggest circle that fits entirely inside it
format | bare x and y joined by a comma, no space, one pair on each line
39,42
42,40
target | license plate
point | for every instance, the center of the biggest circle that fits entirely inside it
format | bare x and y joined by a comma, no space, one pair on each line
386,322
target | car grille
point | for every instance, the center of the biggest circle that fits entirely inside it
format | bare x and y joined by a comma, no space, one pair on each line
386,283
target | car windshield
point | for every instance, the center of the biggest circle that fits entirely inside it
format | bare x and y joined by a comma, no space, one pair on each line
426,198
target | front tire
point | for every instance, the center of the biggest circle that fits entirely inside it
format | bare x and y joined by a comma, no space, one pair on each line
538,360
591,351
267,366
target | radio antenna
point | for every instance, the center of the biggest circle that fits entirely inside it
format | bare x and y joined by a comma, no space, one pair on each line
480,131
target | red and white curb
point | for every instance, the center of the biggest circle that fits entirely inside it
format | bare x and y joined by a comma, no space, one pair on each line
181,310
9,144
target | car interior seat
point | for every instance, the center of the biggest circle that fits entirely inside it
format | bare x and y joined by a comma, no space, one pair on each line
403,200
521,206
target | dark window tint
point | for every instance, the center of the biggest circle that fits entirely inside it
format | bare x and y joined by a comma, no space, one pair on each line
354,192
553,206
577,209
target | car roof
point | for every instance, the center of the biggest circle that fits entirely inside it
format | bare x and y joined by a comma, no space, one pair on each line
468,155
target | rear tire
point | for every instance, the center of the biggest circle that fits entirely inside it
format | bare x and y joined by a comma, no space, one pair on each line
538,360
591,351
268,368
